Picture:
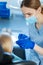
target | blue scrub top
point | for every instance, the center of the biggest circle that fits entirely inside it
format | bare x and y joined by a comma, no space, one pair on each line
36,35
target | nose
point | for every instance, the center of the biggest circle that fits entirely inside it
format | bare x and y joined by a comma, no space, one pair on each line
27,16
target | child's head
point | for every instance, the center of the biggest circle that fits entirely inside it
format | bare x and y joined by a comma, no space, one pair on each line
6,43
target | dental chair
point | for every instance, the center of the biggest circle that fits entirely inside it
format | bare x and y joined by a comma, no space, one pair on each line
19,52
1,54
25,63
4,11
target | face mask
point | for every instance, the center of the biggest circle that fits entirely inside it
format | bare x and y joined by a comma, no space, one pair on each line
31,20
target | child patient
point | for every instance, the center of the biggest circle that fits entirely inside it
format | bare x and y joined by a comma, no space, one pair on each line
6,43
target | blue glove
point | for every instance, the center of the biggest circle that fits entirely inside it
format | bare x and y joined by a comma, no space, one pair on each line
26,43
22,36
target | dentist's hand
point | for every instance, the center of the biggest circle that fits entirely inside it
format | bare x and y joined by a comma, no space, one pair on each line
25,42
22,36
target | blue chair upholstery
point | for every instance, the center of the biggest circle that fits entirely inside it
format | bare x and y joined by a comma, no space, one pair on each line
3,5
4,11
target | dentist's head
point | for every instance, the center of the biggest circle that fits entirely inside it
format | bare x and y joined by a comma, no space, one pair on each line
32,10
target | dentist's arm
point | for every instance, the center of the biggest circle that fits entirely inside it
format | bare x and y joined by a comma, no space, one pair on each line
26,43
38,49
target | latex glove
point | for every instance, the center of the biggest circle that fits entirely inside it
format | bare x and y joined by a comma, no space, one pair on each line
25,43
22,36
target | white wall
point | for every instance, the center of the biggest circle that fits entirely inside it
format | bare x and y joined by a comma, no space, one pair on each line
2,0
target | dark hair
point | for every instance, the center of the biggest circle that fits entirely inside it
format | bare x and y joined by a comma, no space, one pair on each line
31,4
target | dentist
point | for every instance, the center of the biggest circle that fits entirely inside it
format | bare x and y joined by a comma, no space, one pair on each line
33,12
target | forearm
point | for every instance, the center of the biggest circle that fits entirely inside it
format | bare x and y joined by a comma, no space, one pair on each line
38,49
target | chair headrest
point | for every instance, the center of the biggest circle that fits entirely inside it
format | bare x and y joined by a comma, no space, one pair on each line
26,63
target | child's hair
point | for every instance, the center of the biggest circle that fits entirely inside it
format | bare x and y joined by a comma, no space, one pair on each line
6,43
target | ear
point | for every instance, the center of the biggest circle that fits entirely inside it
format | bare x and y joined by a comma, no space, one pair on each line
39,9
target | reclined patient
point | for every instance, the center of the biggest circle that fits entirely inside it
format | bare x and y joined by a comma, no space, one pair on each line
6,43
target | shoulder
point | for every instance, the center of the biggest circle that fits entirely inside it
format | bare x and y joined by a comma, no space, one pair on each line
31,26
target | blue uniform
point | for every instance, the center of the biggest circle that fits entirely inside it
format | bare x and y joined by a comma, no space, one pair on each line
36,35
